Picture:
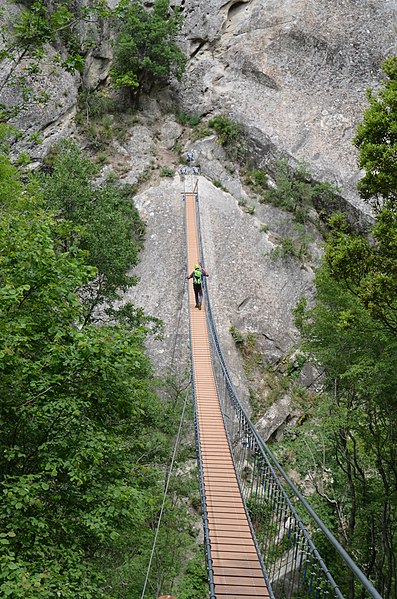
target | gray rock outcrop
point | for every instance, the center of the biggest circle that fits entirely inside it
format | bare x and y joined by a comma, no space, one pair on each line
293,72
45,103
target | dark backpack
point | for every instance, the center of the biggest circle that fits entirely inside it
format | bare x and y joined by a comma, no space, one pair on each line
197,276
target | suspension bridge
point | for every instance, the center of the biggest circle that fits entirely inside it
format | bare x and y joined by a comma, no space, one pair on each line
257,544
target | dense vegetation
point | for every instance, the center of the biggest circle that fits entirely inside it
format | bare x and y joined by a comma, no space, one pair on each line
83,430
111,232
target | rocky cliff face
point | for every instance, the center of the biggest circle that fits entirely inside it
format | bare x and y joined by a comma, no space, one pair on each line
253,287
293,72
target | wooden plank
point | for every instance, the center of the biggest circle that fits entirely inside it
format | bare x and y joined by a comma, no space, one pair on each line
230,590
235,495
225,520
220,469
228,551
218,475
239,540
224,486
235,571
248,563
228,527
239,581
236,512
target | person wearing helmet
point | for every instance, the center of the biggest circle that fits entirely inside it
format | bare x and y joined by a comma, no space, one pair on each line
197,275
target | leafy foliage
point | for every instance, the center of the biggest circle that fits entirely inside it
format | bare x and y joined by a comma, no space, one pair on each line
167,171
351,454
227,131
145,50
238,338
185,119
45,21
368,266
111,231
230,136
257,179
195,584
71,399
40,23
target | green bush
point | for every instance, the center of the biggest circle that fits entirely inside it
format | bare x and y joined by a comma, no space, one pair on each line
293,248
202,132
295,191
219,184
228,132
238,338
257,179
285,250
167,172
185,119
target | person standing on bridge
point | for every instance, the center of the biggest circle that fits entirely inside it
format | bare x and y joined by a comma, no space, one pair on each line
197,275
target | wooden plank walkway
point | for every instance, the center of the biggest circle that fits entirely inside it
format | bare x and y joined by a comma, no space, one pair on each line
237,570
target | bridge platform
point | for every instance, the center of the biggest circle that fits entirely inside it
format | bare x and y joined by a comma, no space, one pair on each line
237,570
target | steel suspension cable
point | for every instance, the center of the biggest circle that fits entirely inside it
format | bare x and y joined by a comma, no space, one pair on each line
165,493
179,320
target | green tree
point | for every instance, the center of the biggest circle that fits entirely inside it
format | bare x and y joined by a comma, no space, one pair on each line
145,51
75,404
353,433
368,266
110,229
376,140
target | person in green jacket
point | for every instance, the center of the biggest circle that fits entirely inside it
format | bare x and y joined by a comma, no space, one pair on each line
197,275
